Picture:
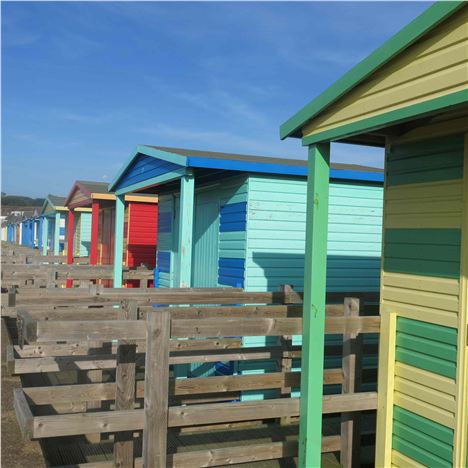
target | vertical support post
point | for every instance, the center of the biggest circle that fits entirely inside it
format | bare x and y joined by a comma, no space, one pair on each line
118,239
125,388
70,241
57,234
156,389
94,233
315,275
352,369
187,199
45,235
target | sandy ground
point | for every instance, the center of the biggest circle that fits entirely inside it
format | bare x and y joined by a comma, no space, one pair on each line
16,452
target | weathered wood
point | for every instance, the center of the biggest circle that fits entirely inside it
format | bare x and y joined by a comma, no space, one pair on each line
125,420
352,367
156,390
24,415
125,388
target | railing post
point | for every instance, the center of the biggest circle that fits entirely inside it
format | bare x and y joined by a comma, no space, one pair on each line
125,388
352,370
156,389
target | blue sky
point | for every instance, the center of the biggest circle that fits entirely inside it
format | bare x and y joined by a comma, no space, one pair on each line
84,83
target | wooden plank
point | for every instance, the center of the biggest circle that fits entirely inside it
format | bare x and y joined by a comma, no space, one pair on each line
156,390
352,368
178,387
191,328
125,389
24,415
124,420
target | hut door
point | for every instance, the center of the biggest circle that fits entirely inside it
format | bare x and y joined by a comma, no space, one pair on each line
205,240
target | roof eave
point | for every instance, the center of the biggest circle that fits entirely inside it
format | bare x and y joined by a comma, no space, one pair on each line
426,21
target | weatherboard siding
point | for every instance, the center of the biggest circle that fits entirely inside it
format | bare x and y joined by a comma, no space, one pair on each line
432,67
84,243
421,285
144,168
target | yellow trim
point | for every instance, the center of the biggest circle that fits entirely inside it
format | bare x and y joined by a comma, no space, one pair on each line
84,210
426,205
142,198
400,460
422,283
422,408
103,196
385,393
61,208
426,378
461,430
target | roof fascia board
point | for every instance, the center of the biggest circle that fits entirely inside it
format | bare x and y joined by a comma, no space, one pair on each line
426,21
168,177
389,118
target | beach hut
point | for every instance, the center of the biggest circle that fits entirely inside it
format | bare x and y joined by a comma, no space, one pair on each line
239,220
410,97
53,215
94,221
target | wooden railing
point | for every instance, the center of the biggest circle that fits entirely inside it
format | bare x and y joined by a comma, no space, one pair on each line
214,334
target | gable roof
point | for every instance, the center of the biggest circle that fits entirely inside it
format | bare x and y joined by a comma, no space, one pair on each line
188,158
53,201
87,189
429,19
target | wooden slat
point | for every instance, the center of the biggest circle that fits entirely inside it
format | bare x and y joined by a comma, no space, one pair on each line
24,415
156,390
115,421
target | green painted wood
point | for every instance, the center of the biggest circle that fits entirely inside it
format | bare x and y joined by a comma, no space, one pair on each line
45,235
310,431
426,362
187,198
430,331
420,455
432,160
84,247
396,44
57,234
427,346
426,426
119,239
423,441
427,252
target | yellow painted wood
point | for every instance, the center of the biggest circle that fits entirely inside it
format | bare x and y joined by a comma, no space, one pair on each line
446,286
461,430
61,208
429,379
427,205
422,392
434,66
385,394
449,126
83,210
422,408
142,198
400,460
103,196
438,317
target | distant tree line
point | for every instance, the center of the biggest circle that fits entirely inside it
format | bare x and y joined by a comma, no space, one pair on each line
19,200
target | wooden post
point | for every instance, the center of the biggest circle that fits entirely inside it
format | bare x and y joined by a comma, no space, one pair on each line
187,198
352,373
313,332
70,241
57,234
45,235
125,388
94,233
156,389
118,239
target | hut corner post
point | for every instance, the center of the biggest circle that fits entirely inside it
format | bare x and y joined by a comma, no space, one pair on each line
187,198
70,242
57,235
93,257
45,235
119,239
313,333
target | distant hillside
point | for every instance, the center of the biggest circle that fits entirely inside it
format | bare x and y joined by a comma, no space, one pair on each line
19,200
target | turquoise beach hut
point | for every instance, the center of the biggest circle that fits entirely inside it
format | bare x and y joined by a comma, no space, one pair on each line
53,215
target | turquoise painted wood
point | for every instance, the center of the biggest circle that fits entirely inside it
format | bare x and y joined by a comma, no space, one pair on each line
56,233
118,239
187,201
45,235
85,234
